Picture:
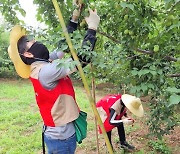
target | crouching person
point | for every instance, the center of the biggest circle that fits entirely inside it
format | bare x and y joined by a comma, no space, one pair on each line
112,109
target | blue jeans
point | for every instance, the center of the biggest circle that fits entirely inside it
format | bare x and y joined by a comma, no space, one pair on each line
56,146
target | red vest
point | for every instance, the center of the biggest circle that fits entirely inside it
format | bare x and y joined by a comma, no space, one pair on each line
47,98
106,104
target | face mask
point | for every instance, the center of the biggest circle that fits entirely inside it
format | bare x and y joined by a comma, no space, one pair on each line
39,51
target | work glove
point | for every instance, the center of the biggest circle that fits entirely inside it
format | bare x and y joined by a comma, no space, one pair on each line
128,121
76,13
93,20
75,16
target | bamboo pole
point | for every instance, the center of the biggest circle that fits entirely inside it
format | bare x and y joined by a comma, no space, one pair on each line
94,97
72,50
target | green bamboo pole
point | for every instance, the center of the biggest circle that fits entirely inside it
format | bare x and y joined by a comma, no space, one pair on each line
94,97
58,11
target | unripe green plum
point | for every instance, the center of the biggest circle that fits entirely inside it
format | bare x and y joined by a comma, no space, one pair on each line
83,23
117,6
156,48
131,33
126,17
126,31
170,17
86,12
168,23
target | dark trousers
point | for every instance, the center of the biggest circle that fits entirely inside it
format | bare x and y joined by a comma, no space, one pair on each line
121,133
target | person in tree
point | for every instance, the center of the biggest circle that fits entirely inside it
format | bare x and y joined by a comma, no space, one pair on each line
112,108
53,88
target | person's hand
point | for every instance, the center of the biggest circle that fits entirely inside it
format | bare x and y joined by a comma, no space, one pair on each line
76,13
128,121
93,19
76,2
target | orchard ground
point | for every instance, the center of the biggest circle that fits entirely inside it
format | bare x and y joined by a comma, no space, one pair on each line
136,135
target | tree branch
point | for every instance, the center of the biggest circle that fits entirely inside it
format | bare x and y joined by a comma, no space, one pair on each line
108,36
145,51
169,58
174,75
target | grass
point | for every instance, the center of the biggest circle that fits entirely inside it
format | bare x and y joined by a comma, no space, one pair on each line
20,129
19,118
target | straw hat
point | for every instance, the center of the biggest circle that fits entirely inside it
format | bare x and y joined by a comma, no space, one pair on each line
133,104
22,69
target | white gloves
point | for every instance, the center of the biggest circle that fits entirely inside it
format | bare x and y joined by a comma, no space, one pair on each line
128,121
93,19
76,13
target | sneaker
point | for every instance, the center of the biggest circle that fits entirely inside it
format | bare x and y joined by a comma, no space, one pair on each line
127,146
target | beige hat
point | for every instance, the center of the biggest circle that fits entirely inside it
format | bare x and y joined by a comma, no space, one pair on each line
22,69
133,104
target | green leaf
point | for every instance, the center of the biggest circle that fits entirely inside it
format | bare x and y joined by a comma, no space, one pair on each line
160,72
133,90
167,1
153,67
174,26
64,47
144,87
173,90
124,5
143,72
153,72
134,72
151,86
174,99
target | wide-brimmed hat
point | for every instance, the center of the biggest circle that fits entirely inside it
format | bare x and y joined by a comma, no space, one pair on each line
133,104
22,69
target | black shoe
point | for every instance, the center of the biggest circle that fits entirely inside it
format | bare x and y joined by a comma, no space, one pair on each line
127,146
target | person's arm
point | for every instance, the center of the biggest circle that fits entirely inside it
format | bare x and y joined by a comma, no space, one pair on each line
54,72
72,26
112,120
73,23
90,37
56,55
92,22
51,73
115,122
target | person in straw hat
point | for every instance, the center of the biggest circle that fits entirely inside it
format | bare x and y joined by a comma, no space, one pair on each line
112,108
53,88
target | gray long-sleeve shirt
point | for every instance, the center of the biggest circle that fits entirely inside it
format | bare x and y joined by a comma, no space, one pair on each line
49,76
